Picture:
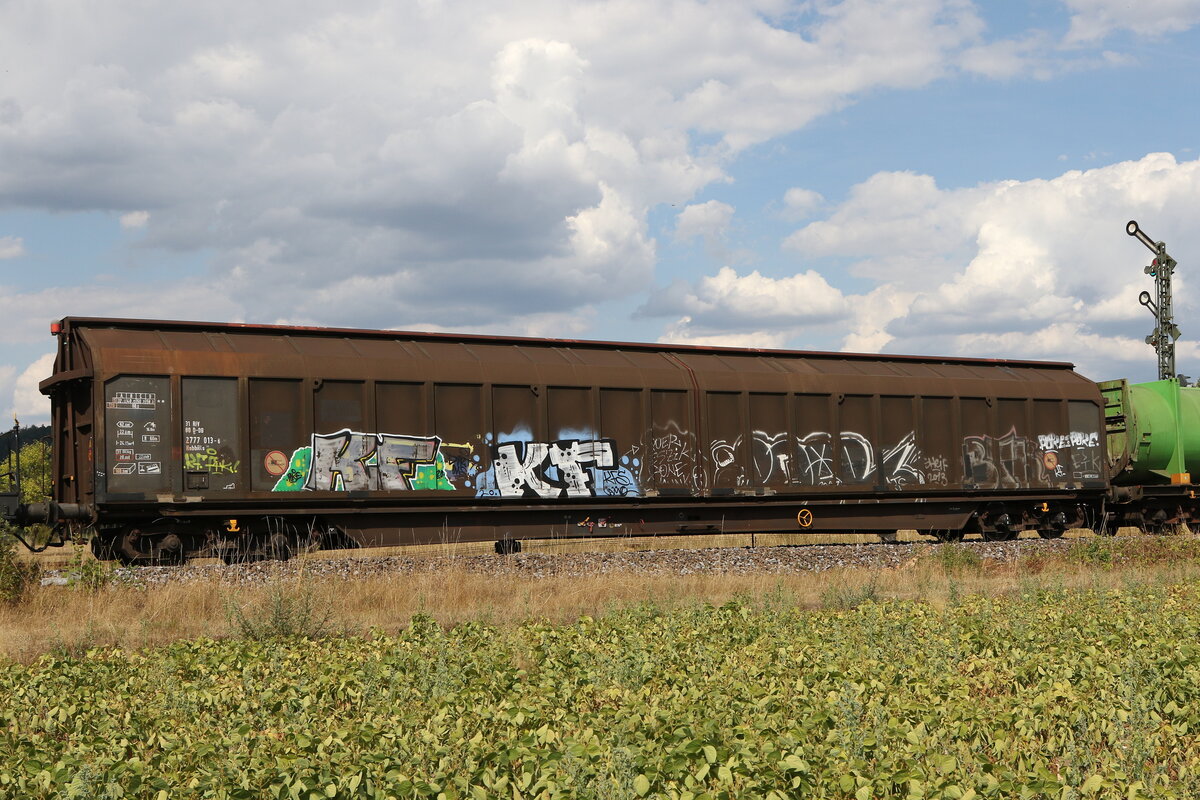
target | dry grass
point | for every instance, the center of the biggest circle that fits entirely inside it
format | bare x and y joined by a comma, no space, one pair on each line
64,619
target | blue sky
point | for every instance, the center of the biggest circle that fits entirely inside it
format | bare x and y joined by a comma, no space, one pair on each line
921,176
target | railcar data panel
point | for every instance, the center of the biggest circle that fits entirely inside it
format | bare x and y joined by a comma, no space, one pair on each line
138,434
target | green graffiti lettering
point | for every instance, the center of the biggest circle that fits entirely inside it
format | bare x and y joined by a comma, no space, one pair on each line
211,461
292,480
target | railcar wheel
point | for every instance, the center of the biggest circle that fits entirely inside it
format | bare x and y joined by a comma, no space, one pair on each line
1050,533
279,547
128,547
1001,535
170,550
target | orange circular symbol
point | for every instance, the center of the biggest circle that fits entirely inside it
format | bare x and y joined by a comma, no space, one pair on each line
1050,461
275,462
805,518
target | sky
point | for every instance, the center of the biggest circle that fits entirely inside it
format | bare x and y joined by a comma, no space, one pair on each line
938,177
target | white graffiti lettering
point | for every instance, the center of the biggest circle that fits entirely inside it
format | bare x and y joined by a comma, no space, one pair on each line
557,469
900,463
771,459
1060,441
672,459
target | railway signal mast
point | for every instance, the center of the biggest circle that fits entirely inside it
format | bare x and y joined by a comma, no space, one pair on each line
1165,331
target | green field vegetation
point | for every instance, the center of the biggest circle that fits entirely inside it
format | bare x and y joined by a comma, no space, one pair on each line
1043,693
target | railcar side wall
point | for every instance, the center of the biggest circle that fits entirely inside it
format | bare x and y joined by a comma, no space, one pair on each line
246,417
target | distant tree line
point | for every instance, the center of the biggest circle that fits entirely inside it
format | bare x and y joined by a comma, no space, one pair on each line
27,434
35,462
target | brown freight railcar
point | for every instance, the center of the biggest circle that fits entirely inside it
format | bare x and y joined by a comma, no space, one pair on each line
180,438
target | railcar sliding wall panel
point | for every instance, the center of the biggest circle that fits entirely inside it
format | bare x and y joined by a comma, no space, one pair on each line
672,464
817,455
899,448
400,408
279,437
212,442
1087,454
338,405
138,433
444,464
940,443
856,448
727,447
771,446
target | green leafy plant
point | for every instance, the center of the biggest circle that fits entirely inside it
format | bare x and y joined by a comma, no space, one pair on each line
1056,694
1093,552
87,574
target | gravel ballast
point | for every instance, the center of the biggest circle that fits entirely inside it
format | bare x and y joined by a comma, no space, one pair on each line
711,561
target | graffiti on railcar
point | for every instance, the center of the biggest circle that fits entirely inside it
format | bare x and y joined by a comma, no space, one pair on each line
671,459
1007,462
816,460
212,461
902,463
348,461
1016,461
772,462
579,463
725,467
936,470
575,465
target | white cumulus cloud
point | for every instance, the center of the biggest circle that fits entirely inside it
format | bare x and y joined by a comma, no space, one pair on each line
11,247
707,221
729,307
368,163
1025,269
1095,19
28,404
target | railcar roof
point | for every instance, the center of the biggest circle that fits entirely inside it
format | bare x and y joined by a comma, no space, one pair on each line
527,341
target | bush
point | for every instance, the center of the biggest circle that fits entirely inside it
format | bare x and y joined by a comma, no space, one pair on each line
291,612
17,577
1094,552
954,558
845,597
88,574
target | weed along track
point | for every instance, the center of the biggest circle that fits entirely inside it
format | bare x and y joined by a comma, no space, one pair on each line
139,606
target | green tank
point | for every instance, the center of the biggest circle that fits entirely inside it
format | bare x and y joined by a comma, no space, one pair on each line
1153,431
